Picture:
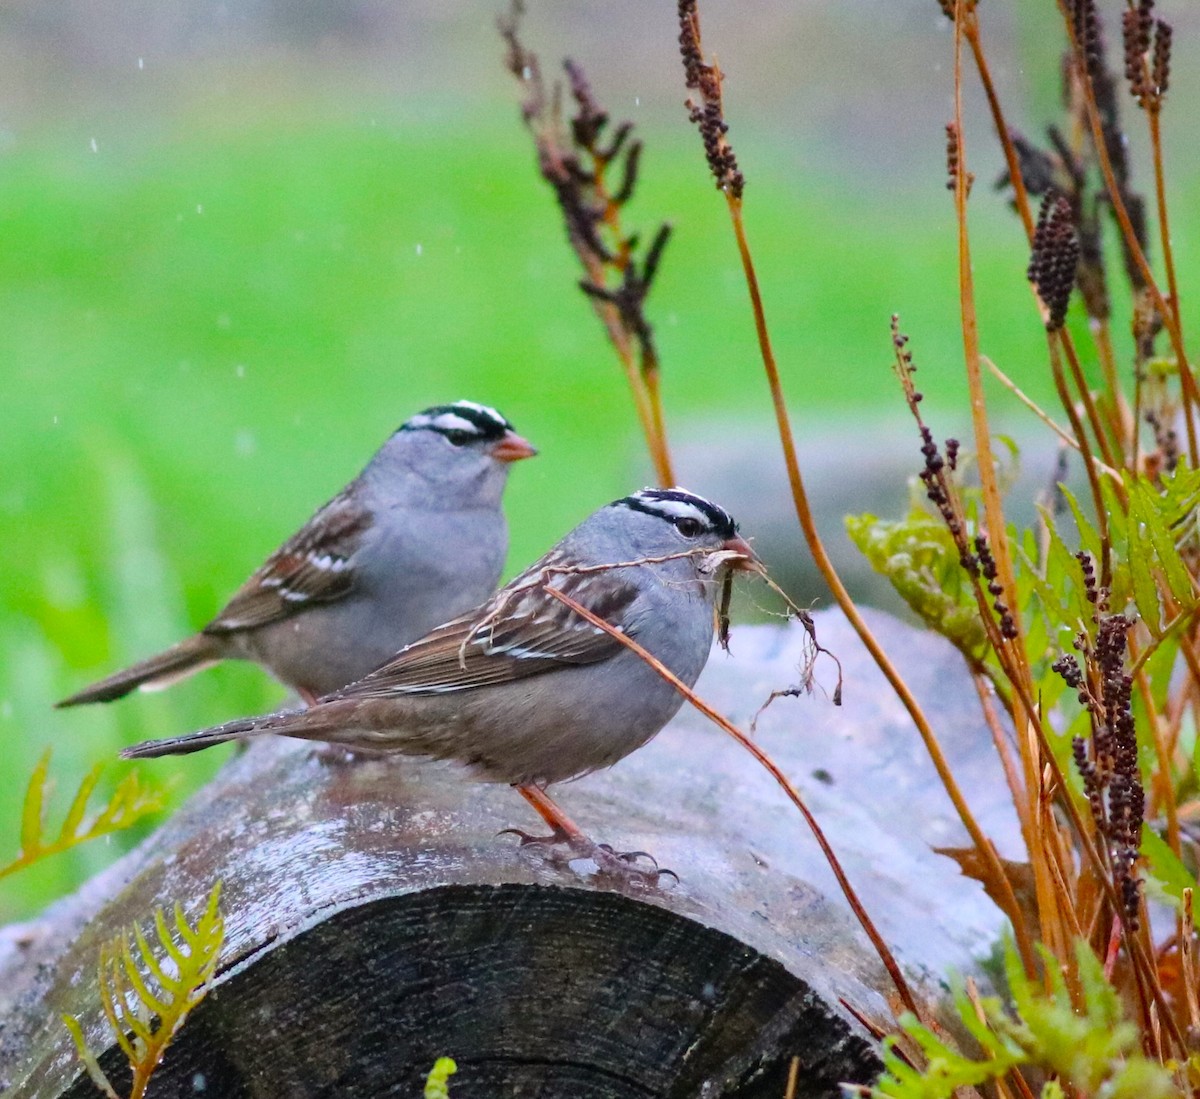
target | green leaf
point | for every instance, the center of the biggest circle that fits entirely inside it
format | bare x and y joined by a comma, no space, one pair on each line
88,1058
1145,591
154,1004
919,558
79,802
1090,1047
131,801
1157,512
435,1083
34,808
1089,540
1164,865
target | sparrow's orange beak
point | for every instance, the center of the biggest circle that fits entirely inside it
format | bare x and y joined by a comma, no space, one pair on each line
512,448
738,544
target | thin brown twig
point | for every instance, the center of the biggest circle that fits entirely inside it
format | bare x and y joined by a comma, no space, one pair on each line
1099,429
1021,196
793,1080
993,508
1164,226
732,189
1053,342
865,921
1142,964
576,162
1064,436
1012,657
846,603
973,997
1187,933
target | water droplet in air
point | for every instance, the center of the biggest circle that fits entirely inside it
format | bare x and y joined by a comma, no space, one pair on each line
141,62
420,249
95,147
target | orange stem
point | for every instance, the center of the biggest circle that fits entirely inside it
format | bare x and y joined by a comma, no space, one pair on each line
868,926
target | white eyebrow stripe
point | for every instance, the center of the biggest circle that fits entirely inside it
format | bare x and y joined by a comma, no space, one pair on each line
485,410
448,421
676,509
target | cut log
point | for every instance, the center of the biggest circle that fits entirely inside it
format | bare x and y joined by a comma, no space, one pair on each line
375,920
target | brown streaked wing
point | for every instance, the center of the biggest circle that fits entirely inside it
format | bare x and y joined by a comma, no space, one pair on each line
313,566
532,634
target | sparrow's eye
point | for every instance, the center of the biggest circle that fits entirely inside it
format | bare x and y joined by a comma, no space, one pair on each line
689,528
458,438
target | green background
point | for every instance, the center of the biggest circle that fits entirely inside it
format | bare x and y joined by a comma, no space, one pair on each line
222,288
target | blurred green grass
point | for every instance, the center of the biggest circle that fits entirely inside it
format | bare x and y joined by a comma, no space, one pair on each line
207,335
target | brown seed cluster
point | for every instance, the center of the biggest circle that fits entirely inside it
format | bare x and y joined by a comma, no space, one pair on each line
1147,55
953,159
577,157
630,295
1055,258
933,473
975,555
706,110
1107,761
1161,73
1085,24
987,567
1070,168
1061,170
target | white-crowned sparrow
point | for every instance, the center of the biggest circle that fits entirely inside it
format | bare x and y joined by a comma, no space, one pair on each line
523,689
416,538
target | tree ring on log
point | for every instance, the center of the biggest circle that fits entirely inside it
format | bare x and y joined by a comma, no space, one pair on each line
534,991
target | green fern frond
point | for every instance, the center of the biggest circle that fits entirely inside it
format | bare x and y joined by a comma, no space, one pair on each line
130,802
1092,1047
435,1083
88,1058
147,992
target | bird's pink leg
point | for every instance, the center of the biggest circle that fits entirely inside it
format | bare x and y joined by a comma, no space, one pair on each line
562,828
309,698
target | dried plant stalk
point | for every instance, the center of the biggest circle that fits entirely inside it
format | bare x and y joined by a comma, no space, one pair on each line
577,158
865,921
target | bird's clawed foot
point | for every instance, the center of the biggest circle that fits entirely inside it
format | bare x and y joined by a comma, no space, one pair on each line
564,832
621,865
527,839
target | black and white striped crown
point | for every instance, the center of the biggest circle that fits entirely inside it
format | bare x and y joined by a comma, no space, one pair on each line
461,422
674,504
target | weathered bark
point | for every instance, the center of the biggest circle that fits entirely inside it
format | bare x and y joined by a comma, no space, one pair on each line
376,921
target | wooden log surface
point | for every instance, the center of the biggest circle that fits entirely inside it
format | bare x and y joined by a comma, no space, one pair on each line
375,921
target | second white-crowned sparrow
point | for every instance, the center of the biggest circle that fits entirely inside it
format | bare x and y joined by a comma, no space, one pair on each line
416,538
523,689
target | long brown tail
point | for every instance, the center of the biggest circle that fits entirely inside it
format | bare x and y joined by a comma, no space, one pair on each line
177,662
301,723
